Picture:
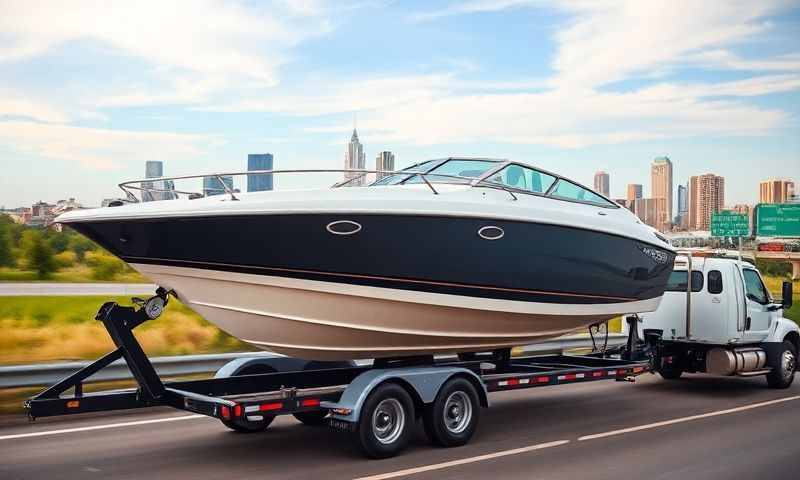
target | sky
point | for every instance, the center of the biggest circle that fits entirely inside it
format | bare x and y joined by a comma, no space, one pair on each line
91,91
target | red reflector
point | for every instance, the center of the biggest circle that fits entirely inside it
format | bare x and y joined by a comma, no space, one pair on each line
310,402
270,406
542,379
237,411
637,369
73,404
225,411
569,376
597,374
513,381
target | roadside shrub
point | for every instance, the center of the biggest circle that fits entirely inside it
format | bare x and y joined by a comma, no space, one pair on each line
106,267
65,259
7,258
38,254
81,245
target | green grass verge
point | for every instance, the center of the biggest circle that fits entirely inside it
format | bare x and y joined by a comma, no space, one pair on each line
76,274
56,328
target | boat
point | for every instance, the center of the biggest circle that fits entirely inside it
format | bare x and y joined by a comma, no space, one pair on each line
447,256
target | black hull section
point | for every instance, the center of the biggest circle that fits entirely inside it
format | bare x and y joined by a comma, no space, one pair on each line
532,262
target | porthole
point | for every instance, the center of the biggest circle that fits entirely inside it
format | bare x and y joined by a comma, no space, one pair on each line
491,232
344,227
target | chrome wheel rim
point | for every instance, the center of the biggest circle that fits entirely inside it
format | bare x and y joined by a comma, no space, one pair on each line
788,363
388,421
457,412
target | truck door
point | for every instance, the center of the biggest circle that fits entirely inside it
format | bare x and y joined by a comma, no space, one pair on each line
757,300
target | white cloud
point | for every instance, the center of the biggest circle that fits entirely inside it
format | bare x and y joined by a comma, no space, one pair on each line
16,104
99,148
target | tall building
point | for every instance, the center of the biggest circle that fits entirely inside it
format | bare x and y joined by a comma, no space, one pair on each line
775,191
161,189
384,161
213,185
661,187
354,159
259,182
706,197
647,209
683,205
634,191
602,183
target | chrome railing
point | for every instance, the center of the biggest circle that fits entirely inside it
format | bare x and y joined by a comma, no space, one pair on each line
147,185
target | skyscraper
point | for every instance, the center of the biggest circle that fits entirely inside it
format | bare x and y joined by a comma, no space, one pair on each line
354,159
162,189
602,183
259,182
213,185
775,191
384,161
683,205
661,187
706,196
634,191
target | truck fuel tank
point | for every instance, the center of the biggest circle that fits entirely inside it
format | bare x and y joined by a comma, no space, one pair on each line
722,361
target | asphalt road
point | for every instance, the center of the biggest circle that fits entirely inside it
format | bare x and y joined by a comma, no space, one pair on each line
43,288
695,428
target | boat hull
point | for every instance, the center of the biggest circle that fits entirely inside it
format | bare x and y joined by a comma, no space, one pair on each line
330,321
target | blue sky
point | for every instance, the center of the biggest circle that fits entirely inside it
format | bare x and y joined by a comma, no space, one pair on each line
90,92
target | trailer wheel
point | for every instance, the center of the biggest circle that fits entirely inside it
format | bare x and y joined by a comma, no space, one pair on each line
247,426
385,423
315,417
451,420
669,372
784,376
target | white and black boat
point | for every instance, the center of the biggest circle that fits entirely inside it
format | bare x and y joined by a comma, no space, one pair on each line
451,255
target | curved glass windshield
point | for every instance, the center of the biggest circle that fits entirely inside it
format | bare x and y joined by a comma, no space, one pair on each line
398,178
566,190
523,178
468,169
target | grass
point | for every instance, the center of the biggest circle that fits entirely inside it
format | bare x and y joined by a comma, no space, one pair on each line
56,328
75,274
775,285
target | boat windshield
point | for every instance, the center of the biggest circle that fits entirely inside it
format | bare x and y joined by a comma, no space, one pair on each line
449,172
399,177
566,190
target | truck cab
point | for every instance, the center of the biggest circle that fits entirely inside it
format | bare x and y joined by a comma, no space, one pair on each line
721,319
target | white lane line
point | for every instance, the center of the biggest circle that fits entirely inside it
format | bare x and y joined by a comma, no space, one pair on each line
463,461
100,427
687,419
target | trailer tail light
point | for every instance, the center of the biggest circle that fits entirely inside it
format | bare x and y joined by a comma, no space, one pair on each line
73,404
225,411
237,410
266,407
310,402
597,374
542,379
638,369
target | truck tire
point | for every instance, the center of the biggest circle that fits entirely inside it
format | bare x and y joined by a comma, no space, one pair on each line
246,426
314,417
385,423
670,372
451,420
784,376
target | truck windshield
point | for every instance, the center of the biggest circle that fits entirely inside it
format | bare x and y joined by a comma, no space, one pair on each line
677,281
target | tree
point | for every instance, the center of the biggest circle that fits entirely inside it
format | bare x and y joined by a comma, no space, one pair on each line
6,256
39,254
59,241
80,245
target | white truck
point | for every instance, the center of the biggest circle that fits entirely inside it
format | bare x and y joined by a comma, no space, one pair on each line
721,320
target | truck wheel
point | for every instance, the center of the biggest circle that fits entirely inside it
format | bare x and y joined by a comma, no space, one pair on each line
451,420
783,376
669,372
385,423
247,426
315,417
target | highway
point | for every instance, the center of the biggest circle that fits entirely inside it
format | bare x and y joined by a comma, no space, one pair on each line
45,288
695,428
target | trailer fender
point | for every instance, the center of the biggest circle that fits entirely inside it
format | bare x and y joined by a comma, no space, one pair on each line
425,383
276,363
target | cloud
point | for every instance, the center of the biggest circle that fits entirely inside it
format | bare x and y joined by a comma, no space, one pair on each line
17,104
476,6
99,148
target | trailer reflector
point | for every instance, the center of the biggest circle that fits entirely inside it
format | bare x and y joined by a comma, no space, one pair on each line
309,402
597,374
73,404
542,379
265,407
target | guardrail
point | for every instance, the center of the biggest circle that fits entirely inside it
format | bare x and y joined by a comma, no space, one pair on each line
45,374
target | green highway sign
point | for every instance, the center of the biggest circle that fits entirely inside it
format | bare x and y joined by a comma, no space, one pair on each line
778,220
729,224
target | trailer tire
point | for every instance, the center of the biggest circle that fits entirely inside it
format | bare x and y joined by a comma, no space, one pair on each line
784,376
247,426
312,418
451,420
670,372
385,423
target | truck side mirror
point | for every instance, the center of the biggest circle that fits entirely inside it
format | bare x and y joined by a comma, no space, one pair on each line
786,292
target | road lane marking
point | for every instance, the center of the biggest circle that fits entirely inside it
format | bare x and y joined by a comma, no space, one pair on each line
463,461
100,427
687,419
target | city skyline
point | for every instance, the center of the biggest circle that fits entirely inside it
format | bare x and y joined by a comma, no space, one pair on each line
717,91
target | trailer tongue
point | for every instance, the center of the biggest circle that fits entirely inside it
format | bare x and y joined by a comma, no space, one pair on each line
376,403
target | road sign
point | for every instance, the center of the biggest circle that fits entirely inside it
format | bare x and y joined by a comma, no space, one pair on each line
729,224
778,220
